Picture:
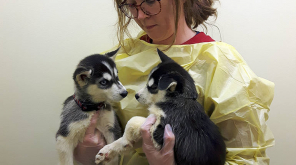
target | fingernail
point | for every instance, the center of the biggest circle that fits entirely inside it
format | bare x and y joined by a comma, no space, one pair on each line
168,128
151,116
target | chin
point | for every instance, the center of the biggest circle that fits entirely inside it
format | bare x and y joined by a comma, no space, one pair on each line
160,38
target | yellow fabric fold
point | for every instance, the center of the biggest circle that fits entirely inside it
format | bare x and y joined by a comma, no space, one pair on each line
236,100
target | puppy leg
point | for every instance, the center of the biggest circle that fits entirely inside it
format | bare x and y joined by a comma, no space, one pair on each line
109,136
131,136
65,151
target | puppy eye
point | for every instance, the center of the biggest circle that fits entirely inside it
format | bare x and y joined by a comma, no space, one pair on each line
103,82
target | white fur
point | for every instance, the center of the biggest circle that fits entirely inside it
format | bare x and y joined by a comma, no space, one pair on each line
151,82
132,134
158,114
106,118
108,66
113,93
131,137
145,97
107,76
109,95
66,145
115,72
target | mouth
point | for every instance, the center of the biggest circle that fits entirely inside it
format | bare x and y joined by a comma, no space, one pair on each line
150,27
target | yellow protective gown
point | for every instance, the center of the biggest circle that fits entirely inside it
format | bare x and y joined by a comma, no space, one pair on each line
236,100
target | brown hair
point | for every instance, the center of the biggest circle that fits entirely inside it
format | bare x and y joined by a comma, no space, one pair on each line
196,13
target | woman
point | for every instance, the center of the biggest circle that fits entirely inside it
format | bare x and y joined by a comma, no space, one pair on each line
236,100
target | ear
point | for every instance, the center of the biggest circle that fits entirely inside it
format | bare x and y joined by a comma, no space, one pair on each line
112,54
82,75
162,56
166,82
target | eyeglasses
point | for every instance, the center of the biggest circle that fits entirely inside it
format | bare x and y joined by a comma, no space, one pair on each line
149,7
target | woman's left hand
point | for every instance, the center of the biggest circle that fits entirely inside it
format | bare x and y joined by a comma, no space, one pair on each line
165,156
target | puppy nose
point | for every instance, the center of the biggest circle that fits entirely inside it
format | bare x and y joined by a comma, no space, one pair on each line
137,96
124,94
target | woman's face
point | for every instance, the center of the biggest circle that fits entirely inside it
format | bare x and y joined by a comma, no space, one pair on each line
159,27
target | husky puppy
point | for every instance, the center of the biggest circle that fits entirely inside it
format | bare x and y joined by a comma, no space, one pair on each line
171,96
96,87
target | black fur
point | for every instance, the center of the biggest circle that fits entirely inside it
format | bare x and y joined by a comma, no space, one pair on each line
197,139
117,128
94,63
71,111
70,114
174,71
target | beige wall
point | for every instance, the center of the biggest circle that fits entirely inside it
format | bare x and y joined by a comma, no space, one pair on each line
41,41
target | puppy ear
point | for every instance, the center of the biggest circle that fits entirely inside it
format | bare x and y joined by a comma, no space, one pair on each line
167,83
162,56
82,75
112,54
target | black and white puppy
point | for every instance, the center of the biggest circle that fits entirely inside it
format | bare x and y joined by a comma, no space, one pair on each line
171,96
96,87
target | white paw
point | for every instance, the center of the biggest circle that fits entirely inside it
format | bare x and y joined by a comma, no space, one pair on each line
105,154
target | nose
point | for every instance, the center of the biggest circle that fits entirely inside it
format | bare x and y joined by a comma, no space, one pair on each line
137,96
141,14
124,94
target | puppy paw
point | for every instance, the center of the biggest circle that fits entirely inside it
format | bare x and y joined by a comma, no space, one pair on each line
105,154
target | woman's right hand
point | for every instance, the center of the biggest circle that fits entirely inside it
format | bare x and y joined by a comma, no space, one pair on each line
85,152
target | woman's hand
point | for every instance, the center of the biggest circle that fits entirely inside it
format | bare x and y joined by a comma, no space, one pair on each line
93,141
166,155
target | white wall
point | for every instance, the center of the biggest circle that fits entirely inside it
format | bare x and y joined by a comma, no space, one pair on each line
41,42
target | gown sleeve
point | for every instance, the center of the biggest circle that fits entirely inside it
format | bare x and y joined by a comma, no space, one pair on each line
238,102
